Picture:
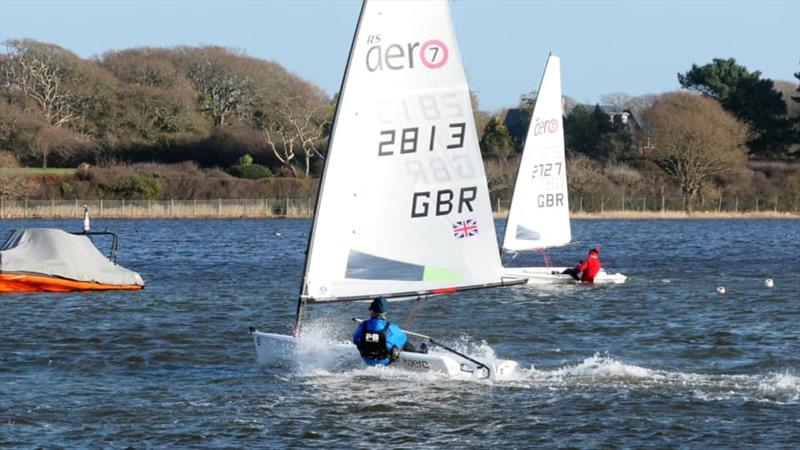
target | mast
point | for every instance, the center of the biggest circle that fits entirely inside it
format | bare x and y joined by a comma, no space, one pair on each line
301,301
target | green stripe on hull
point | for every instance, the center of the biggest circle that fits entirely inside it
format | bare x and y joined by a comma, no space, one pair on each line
433,274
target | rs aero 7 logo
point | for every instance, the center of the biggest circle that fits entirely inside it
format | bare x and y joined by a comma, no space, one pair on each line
432,54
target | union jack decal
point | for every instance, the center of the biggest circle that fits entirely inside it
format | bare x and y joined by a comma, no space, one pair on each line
465,228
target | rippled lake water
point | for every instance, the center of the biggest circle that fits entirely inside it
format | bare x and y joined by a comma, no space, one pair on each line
661,361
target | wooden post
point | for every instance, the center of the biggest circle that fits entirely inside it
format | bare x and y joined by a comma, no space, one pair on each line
663,202
776,203
644,203
148,207
123,207
719,205
171,207
52,207
581,209
195,207
602,209
623,202
756,204
101,207
219,207
736,205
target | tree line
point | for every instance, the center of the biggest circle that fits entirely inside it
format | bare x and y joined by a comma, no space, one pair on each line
730,131
207,104
253,119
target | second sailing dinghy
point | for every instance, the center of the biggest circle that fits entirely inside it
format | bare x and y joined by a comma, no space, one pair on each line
538,217
403,209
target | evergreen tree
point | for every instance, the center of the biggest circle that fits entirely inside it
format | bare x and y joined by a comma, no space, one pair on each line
593,133
496,141
748,97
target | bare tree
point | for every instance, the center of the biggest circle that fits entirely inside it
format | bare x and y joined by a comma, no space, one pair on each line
695,141
310,128
291,129
151,67
43,73
621,100
155,101
292,115
224,82
280,138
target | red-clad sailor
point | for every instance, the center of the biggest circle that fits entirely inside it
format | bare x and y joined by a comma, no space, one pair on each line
588,268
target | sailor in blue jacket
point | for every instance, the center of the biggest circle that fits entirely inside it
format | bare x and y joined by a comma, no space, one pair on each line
378,340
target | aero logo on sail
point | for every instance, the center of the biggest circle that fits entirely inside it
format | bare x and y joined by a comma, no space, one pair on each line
540,126
432,54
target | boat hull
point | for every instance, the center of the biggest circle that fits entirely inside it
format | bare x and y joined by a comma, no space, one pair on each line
545,275
283,349
14,282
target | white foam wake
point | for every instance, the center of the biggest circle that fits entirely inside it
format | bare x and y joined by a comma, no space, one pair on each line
603,371
320,355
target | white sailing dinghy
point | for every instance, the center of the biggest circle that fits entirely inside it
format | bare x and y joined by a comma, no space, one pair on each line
403,207
538,217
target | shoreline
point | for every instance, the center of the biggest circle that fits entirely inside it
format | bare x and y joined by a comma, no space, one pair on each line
300,208
674,215
237,213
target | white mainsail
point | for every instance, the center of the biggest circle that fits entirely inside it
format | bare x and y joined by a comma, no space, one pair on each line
539,213
404,205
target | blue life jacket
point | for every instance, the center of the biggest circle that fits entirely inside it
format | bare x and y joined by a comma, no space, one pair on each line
376,338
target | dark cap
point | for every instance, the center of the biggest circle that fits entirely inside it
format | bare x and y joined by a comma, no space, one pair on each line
379,305
595,250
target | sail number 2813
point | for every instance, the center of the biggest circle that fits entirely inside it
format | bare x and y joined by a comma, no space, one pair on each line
408,140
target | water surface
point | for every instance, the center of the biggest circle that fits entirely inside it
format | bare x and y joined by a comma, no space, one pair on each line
661,361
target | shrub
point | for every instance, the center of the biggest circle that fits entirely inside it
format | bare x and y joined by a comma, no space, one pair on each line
7,159
251,172
141,187
246,169
66,190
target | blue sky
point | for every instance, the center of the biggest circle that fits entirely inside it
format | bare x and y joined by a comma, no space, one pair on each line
636,47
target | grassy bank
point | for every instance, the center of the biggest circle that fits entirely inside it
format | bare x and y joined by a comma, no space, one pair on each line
36,171
158,209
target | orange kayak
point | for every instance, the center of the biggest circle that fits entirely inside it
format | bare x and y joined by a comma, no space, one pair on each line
17,282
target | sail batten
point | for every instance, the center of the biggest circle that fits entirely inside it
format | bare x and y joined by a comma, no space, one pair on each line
538,217
404,204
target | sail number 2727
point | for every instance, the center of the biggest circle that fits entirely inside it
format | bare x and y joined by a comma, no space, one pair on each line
546,170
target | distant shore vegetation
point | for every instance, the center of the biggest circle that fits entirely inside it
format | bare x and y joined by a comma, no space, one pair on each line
211,122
